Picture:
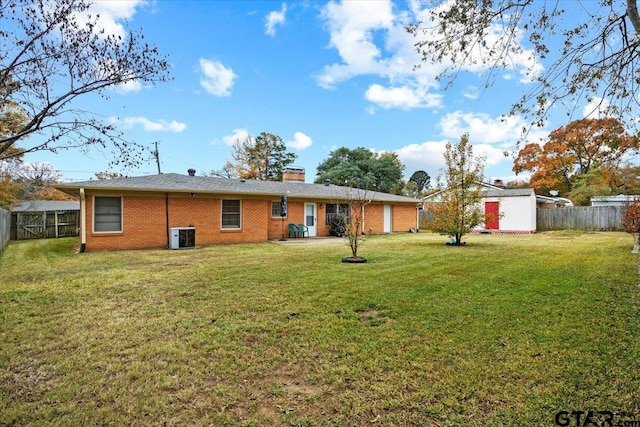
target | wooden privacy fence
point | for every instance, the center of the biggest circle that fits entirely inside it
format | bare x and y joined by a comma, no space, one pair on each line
590,218
44,224
5,227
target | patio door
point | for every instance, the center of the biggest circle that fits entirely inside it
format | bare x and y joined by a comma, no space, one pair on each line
310,218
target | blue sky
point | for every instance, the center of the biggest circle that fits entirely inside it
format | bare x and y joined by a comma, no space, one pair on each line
321,75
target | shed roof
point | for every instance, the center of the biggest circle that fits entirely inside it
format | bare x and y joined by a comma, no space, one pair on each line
46,205
515,192
488,190
177,183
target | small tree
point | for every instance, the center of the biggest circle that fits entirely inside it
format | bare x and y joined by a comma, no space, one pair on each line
631,223
459,208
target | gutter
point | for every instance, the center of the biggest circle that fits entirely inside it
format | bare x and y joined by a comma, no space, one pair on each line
83,221
166,212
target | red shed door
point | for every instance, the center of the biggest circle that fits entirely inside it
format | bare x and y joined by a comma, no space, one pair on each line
492,215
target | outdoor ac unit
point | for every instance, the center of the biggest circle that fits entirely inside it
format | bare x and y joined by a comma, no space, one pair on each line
182,237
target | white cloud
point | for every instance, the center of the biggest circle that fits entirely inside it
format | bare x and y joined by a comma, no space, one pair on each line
427,156
472,92
596,109
300,141
129,87
216,79
238,135
482,128
154,126
490,137
110,12
352,26
371,39
401,97
275,18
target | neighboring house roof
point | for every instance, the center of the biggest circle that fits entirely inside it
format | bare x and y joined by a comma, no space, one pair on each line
46,205
558,201
619,200
489,190
176,183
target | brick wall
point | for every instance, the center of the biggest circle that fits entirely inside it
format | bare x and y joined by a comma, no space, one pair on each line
145,221
404,217
374,218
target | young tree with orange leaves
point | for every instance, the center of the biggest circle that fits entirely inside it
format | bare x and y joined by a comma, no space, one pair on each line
574,151
459,209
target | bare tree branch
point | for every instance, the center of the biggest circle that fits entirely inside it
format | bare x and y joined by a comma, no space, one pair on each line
52,53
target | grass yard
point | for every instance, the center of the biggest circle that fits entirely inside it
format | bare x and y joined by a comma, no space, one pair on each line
508,330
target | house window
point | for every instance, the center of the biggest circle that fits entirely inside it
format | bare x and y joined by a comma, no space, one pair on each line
107,214
337,209
276,210
231,214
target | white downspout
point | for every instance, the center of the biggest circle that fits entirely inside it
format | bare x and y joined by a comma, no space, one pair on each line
83,221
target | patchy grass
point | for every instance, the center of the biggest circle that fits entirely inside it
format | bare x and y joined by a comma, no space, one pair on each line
507,330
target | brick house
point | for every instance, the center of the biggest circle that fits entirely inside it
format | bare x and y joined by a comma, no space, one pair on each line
140,212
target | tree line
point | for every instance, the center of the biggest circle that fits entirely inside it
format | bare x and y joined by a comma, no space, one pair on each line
585,158
265,157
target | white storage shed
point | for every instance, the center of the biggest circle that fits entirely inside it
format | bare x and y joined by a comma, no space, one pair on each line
509,211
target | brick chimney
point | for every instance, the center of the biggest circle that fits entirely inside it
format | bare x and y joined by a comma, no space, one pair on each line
293,174
498,183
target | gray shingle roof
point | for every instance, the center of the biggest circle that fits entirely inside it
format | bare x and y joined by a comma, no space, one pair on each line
172,182
514,192
491,191
45,205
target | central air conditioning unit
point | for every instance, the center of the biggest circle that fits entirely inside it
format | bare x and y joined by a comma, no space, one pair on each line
182,238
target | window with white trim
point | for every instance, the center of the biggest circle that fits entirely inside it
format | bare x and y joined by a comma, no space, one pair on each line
231,217
107,214
276,209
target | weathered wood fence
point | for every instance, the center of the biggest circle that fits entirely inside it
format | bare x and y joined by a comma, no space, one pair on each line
590,218
5,228
43,224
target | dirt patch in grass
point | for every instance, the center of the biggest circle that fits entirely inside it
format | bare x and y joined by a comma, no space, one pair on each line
373,315
28,379
279,398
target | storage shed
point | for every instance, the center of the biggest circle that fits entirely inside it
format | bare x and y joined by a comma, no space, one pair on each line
42,219
507,211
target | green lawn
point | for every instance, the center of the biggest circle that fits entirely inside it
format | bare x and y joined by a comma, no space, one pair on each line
507,330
